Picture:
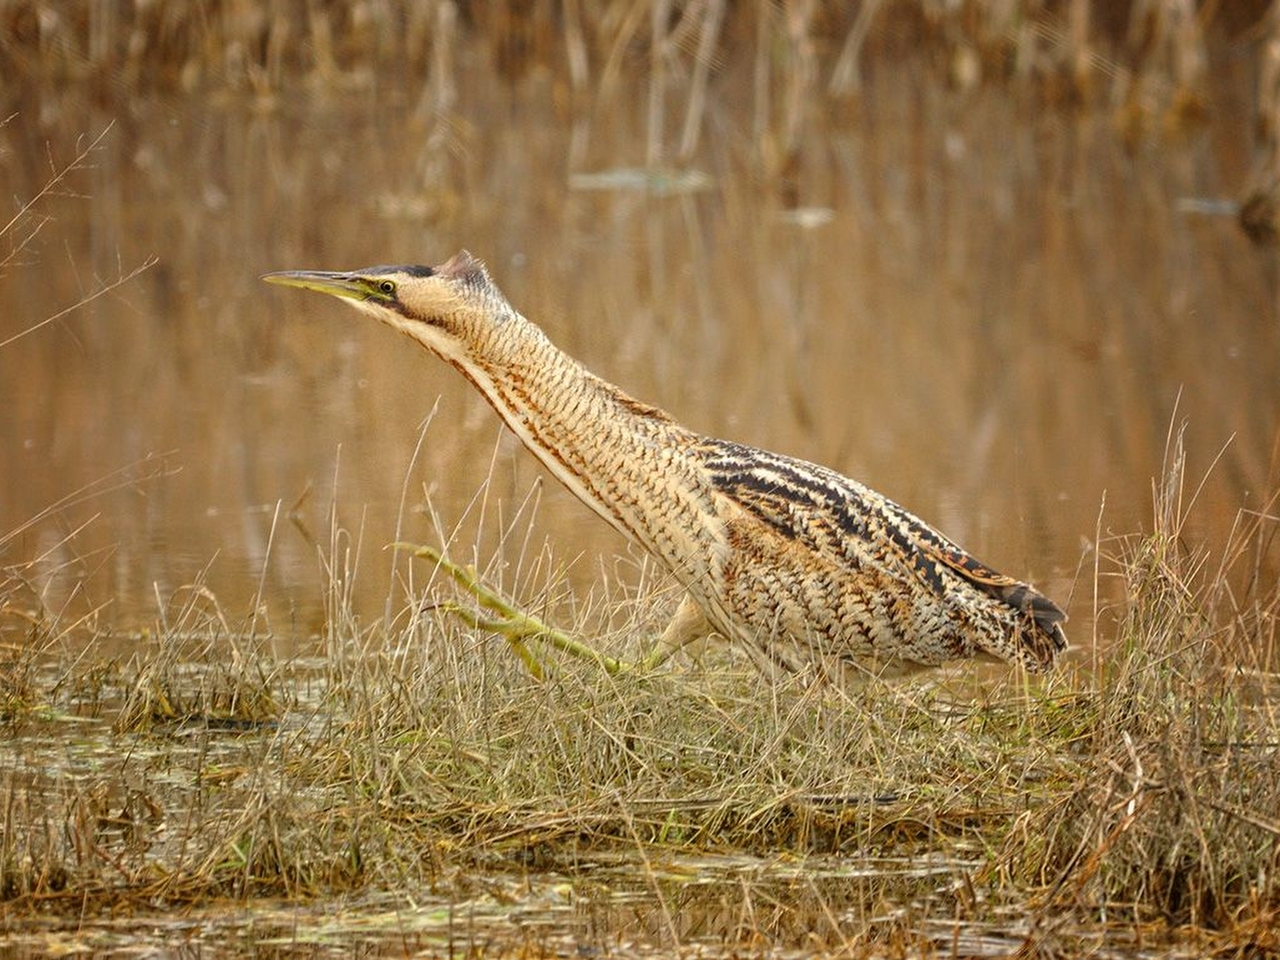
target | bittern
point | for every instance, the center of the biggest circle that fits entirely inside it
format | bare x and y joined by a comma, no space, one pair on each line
792,561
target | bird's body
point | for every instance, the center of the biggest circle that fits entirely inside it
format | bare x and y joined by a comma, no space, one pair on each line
791,560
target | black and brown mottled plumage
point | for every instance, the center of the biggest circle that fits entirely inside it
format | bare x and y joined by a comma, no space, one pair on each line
791,560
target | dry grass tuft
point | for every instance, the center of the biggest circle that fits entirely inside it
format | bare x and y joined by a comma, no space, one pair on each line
1174,813
425,754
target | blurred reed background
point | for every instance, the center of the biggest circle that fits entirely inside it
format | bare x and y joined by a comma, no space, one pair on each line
984,256
1011,262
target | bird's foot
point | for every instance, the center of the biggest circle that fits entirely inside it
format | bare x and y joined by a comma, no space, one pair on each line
517,627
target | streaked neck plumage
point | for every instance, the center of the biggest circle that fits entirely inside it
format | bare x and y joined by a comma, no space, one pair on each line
597,440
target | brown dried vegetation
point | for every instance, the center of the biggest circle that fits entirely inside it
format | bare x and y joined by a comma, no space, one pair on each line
1137,795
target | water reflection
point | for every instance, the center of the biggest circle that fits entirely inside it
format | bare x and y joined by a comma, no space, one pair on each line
990,313
706,905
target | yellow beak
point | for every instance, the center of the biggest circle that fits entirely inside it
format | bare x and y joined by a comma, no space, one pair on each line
349,285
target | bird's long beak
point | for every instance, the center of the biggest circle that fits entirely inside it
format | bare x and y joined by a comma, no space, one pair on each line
337,284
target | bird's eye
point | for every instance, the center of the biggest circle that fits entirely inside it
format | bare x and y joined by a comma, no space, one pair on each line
387,288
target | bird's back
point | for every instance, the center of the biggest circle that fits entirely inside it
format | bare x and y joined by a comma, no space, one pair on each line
818,563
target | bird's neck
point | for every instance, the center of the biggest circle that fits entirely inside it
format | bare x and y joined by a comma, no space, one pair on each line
616,454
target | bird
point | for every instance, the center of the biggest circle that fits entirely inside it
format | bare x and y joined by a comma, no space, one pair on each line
788,560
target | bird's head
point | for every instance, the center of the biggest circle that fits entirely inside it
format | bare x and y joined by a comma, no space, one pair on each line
451,309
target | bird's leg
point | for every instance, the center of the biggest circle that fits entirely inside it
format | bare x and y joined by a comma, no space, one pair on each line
506,630
688,624
511,623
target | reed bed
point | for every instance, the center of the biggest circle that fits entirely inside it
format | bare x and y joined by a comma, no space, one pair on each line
1147,58
1148,64
1137,789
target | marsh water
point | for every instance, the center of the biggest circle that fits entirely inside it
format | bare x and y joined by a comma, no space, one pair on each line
996,312
993,312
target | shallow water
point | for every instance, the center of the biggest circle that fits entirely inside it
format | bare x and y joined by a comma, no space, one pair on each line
993,312
628,906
